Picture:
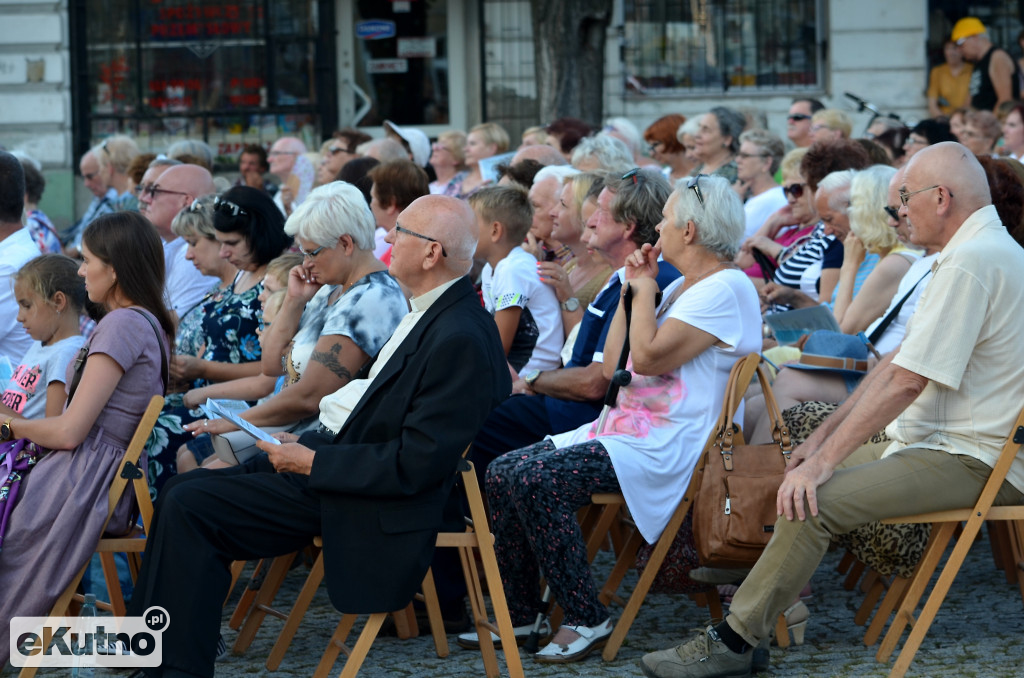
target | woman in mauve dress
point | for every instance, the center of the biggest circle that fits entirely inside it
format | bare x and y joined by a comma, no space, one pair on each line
57,522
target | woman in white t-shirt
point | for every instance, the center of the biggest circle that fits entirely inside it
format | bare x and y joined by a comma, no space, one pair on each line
681,353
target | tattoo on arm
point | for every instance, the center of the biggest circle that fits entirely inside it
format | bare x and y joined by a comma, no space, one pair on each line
329,359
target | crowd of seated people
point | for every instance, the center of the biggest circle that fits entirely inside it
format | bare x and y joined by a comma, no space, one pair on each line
282,291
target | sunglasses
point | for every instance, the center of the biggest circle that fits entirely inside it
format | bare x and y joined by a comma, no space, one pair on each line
693,183
227,207
196,206
893,212
797,117
335,150
400,229
795,190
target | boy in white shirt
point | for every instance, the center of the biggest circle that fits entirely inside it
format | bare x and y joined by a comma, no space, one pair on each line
524,308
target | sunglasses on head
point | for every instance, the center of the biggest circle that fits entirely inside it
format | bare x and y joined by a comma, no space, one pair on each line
227,207
795,190
635,174
693,183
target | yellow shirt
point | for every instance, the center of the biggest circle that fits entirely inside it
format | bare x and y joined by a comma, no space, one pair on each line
951,91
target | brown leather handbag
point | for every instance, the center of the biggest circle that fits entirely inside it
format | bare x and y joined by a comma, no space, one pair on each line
734,508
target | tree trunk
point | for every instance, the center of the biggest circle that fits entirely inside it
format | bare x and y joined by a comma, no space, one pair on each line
568,45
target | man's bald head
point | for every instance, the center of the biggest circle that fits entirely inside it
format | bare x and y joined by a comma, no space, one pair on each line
175,189
416,261
943,185
192,179
542,153
952,165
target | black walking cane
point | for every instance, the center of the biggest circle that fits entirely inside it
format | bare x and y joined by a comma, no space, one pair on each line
620,378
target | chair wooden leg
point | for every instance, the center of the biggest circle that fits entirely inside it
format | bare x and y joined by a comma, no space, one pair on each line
904,616
248,595
643,585
870,600
938,594
405,623
623,565
846,563
261,605
113,583
357,654
781,632
236,572
599,534
893,597
434,615
1002,549
856,570
291,625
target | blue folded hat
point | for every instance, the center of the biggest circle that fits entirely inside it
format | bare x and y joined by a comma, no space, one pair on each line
834,352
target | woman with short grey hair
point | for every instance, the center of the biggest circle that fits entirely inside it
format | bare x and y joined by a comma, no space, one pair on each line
340,308
717,142
681,352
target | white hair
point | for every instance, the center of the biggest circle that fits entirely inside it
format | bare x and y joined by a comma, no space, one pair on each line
630,133
837,185
691,127
559,172
612,154
720,220
331,211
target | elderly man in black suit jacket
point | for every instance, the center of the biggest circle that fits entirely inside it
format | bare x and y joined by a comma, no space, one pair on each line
378,490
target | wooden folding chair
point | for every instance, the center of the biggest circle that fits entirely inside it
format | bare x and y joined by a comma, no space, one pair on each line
944,524
476,537
133,543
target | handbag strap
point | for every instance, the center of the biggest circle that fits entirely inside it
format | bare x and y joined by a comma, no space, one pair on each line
163,353
876,334
739,379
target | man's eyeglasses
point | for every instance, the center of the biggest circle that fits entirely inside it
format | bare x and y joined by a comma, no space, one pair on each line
283,153
893,212
905,196
152,189
312,255
399,229
795,190
693,183
635,174
797,117
751,155
227,207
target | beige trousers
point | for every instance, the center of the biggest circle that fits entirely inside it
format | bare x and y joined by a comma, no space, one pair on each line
913,480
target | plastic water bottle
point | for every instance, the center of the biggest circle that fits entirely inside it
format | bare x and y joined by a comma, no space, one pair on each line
88,610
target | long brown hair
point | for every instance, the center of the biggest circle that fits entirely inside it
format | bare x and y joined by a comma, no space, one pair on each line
129,243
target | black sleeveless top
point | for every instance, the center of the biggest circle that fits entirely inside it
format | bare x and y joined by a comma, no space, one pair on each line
983,94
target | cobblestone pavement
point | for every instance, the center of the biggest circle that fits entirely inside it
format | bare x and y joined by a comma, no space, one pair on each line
977,633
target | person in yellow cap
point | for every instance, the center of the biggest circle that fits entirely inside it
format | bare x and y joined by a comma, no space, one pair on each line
996,77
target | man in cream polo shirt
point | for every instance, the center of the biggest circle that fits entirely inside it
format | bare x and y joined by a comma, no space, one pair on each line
956,383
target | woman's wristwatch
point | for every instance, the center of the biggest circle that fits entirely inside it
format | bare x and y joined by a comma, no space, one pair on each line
571,304
5,429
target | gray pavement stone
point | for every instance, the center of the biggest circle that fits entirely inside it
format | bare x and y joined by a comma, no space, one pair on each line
977,632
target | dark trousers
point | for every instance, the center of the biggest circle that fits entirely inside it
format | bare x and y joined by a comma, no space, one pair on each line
205,520
521,421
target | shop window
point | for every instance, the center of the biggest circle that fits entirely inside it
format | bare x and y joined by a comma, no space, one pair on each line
709,46
230,72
